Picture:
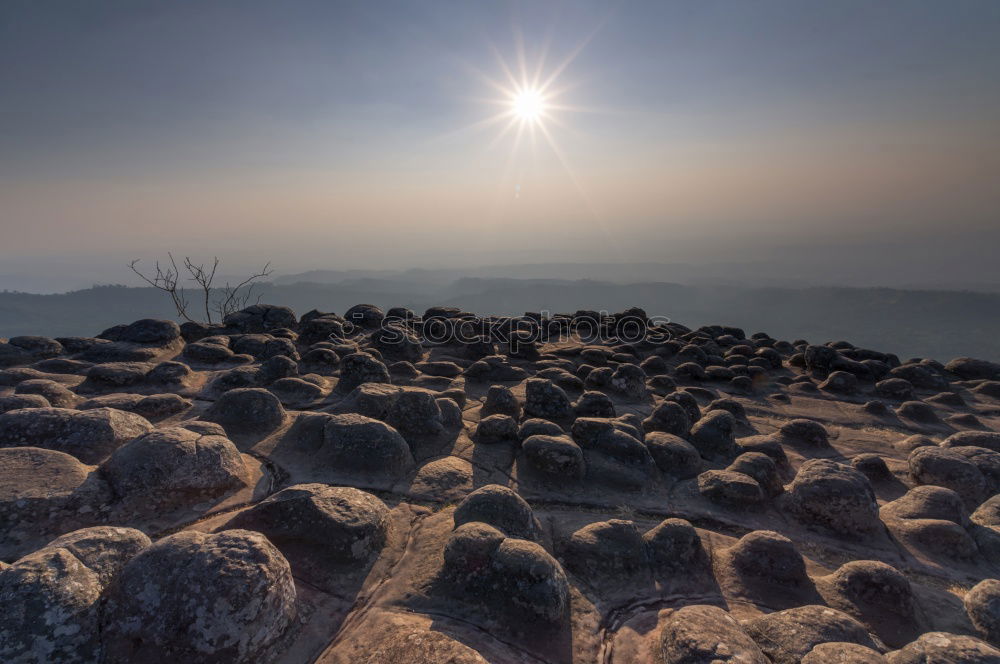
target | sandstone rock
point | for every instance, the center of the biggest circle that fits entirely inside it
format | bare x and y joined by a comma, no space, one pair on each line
358,368
43,491
988,439
804,432
396,342
833,497
919,412
365,316
729,488
417,647
513,576
674,455
669,417
927,502
969,368
947,468
90,435
877,595
50,597
982,603
945,648
787,636
842,653
19,401
249,410
594,404
606,549
761,468
415,413
501,508
355,443
175,466
343,523
840,382
555,455
701,633
196,597
496,429
871,466
501,401
296,392
55,394
898,389
764,556
674,544
260,318
630,381
546,400
713,436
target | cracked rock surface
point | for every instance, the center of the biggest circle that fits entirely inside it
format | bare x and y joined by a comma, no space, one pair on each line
368,488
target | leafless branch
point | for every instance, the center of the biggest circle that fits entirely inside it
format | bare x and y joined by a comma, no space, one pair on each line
230,298
236,297
204,279
166,280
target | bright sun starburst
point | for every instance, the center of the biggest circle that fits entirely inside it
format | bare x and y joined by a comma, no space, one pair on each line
528,105
530,110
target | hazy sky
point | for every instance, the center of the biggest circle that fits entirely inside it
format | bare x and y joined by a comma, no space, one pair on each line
346,134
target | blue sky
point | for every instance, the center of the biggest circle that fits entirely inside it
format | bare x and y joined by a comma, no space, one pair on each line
242,128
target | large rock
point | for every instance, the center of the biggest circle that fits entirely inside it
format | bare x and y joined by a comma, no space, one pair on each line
969,368
173,467
346,524
878,595
673,455
50,597
89,435
713,436
988,439
509,576
545,399
950,469
249,409
945,648
44,492
730,488
501,508
843,653
674,545
668,417
606,550
414,646
787,636
150,331
355,443
982,603
767,557
706,634
833,497
195,597
260,318
365,316
396,342
358,368
554,455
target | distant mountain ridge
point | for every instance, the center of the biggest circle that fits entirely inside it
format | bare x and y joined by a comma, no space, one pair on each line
938,324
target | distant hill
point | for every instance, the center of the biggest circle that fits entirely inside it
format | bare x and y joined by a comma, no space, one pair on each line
925,323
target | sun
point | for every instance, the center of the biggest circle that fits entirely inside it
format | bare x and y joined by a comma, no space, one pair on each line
528,105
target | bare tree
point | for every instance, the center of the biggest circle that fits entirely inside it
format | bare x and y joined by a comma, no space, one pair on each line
236,297
166,280
228,298
204,279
